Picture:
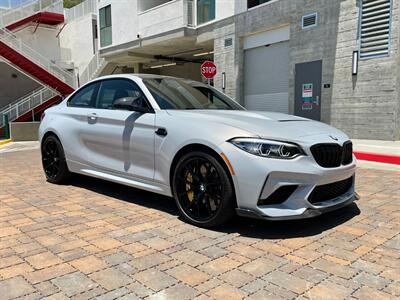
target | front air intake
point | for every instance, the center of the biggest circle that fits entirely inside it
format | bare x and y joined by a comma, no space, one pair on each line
278,196
330,191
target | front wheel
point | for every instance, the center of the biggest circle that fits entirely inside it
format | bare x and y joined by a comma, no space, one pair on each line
203,191
53,160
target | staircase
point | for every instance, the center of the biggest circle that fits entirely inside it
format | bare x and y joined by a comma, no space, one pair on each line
33,63
24,108
11,17
56,80
93,69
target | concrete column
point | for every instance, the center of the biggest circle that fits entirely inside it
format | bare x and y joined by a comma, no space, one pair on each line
229,60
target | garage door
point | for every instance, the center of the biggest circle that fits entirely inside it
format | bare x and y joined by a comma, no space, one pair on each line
266,82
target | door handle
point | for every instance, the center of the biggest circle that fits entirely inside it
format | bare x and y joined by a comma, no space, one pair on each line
316,100
92,117
161,132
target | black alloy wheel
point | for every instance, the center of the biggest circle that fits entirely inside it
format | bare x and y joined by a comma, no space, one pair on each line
203,190
53,160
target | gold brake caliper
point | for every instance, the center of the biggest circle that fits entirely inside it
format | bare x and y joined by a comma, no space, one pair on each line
189,191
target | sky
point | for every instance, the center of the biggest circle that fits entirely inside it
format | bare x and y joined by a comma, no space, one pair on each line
12,3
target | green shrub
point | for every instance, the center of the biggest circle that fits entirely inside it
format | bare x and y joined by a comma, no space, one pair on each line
71,3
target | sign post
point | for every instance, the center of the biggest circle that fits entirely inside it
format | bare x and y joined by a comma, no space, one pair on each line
208,70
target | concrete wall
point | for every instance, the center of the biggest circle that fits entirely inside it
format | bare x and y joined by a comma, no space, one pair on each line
24,131
365,106
397,134
77,36
129,19
187,71
43,40
11,87
169,16
124,20
225,8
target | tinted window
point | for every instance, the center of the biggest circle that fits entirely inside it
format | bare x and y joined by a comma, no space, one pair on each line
105,26
111,90
252,3
171,93
205,11
84,97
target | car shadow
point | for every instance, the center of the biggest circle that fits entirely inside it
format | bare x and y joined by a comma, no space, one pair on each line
125,193
247,227
264,229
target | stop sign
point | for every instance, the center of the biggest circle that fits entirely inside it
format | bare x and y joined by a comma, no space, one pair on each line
208,69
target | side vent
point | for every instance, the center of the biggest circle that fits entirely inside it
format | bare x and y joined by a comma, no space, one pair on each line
375,28
309,21
228,42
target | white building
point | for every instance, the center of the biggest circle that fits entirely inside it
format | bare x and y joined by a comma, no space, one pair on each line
337,56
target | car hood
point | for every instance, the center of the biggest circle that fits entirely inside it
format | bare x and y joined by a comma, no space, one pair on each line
260,123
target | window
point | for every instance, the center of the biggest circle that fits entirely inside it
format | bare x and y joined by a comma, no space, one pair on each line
113,89
252,3
375,28
105,26
172,93
144,5
84,97
205,11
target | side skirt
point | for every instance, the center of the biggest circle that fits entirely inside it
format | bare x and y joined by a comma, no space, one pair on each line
141,184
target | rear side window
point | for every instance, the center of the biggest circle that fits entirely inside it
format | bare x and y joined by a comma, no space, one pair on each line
84,97
113,89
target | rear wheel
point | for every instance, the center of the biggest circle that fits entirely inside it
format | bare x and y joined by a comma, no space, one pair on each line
53,160
203,191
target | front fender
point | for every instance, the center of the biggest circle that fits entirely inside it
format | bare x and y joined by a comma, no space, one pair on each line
183,132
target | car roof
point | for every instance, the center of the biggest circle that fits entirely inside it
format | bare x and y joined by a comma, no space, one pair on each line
149,76
136,75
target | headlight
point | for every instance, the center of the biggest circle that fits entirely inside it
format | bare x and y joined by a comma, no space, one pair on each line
268,148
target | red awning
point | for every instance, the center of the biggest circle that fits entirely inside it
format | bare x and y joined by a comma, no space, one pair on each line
47,18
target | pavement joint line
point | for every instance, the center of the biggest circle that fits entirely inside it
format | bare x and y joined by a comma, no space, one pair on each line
222,240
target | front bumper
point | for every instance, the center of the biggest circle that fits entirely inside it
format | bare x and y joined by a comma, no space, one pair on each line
308,213
257,178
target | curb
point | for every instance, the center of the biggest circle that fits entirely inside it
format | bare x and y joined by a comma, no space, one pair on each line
3,142
377,157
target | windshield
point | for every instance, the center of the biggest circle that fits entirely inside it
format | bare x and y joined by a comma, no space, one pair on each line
171,93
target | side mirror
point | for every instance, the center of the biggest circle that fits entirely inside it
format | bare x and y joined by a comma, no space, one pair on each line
129,103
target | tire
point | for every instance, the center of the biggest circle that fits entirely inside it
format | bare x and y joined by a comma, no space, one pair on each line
53,160
201,185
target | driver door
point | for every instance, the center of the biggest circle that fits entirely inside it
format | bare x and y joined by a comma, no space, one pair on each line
121,141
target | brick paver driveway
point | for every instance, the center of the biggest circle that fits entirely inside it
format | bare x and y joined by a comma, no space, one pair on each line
96,239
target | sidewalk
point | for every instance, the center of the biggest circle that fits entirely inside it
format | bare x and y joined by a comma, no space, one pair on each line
374,146
18,146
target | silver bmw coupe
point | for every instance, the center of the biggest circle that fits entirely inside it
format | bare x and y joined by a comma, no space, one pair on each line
187,140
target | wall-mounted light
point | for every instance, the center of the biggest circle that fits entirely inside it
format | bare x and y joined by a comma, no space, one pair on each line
204,53
355,63
223,81
161,66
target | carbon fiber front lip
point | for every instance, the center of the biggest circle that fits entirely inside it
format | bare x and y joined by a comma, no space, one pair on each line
309,213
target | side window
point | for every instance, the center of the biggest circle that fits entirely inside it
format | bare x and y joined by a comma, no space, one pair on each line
111,90
85,97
